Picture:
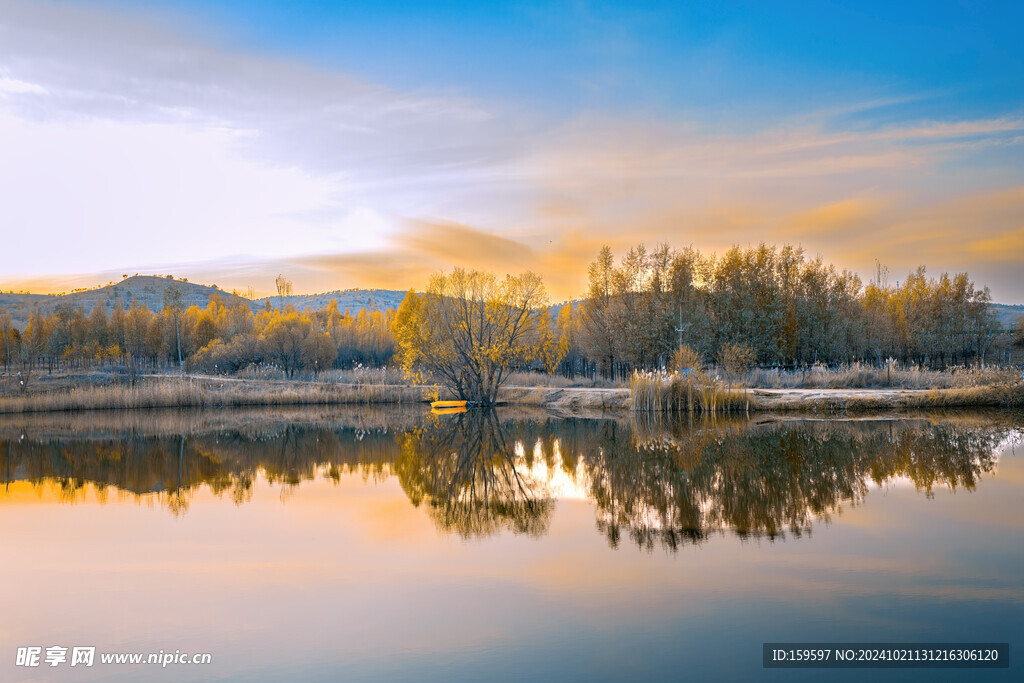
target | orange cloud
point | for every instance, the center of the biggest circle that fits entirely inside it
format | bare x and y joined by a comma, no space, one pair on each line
1006,246
425,247
829,219
460,244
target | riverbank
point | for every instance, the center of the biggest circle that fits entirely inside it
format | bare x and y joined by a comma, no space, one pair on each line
164,391
821,401
859,400
204,392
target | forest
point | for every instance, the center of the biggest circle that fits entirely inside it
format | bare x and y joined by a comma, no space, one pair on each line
770,305
763,304
217,338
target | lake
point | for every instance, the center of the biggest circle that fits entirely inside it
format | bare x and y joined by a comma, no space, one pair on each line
354,544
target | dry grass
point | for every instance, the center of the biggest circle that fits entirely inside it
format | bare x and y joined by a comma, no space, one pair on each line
359,374
696,392
841,401
175,392
540,379
891,376
994,396
365,375
687,392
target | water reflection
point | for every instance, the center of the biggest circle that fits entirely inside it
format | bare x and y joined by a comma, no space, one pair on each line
483,472
174,455
467,471
678,484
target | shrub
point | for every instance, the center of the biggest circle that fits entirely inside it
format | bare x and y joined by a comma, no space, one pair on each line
685,358
735,359
228,357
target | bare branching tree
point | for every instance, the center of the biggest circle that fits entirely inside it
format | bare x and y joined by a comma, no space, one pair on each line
470,331
284,288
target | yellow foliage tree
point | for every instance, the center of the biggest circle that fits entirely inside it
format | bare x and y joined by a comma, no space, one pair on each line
470,331
552,343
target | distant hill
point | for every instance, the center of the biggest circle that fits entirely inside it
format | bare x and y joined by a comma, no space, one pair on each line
1007,315
353,300
148,290
21,305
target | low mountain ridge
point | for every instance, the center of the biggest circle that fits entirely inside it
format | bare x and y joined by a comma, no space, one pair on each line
353,300
1008,315
148,291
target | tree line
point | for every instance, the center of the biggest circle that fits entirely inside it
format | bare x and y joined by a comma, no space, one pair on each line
220,338
769,305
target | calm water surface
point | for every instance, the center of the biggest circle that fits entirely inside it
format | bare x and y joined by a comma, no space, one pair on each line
347,545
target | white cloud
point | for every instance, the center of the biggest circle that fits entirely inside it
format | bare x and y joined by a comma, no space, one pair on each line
126,142
99,194
12,86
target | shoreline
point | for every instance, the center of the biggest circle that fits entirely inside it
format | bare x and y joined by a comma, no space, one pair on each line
804,401
169,391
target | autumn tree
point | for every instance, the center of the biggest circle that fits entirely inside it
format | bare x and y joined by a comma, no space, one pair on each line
117,328
229,357
36,337
469,330
598,331
173,297
318,352
99,332
567,328
284,288
552,342
285,338
136,332
775,301
5,324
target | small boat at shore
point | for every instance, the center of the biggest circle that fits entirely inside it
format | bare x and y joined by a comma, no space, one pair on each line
449,404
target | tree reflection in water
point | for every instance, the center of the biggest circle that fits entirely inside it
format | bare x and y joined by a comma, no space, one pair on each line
465,469
662,484
138,460
678,483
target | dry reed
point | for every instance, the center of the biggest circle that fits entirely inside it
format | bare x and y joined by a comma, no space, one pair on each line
889,376
542,379
165,393
683,392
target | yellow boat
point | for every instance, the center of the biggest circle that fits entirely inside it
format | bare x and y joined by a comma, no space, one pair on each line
449,404
448,411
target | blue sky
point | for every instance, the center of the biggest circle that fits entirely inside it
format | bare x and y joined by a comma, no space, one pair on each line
962,58
388,139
